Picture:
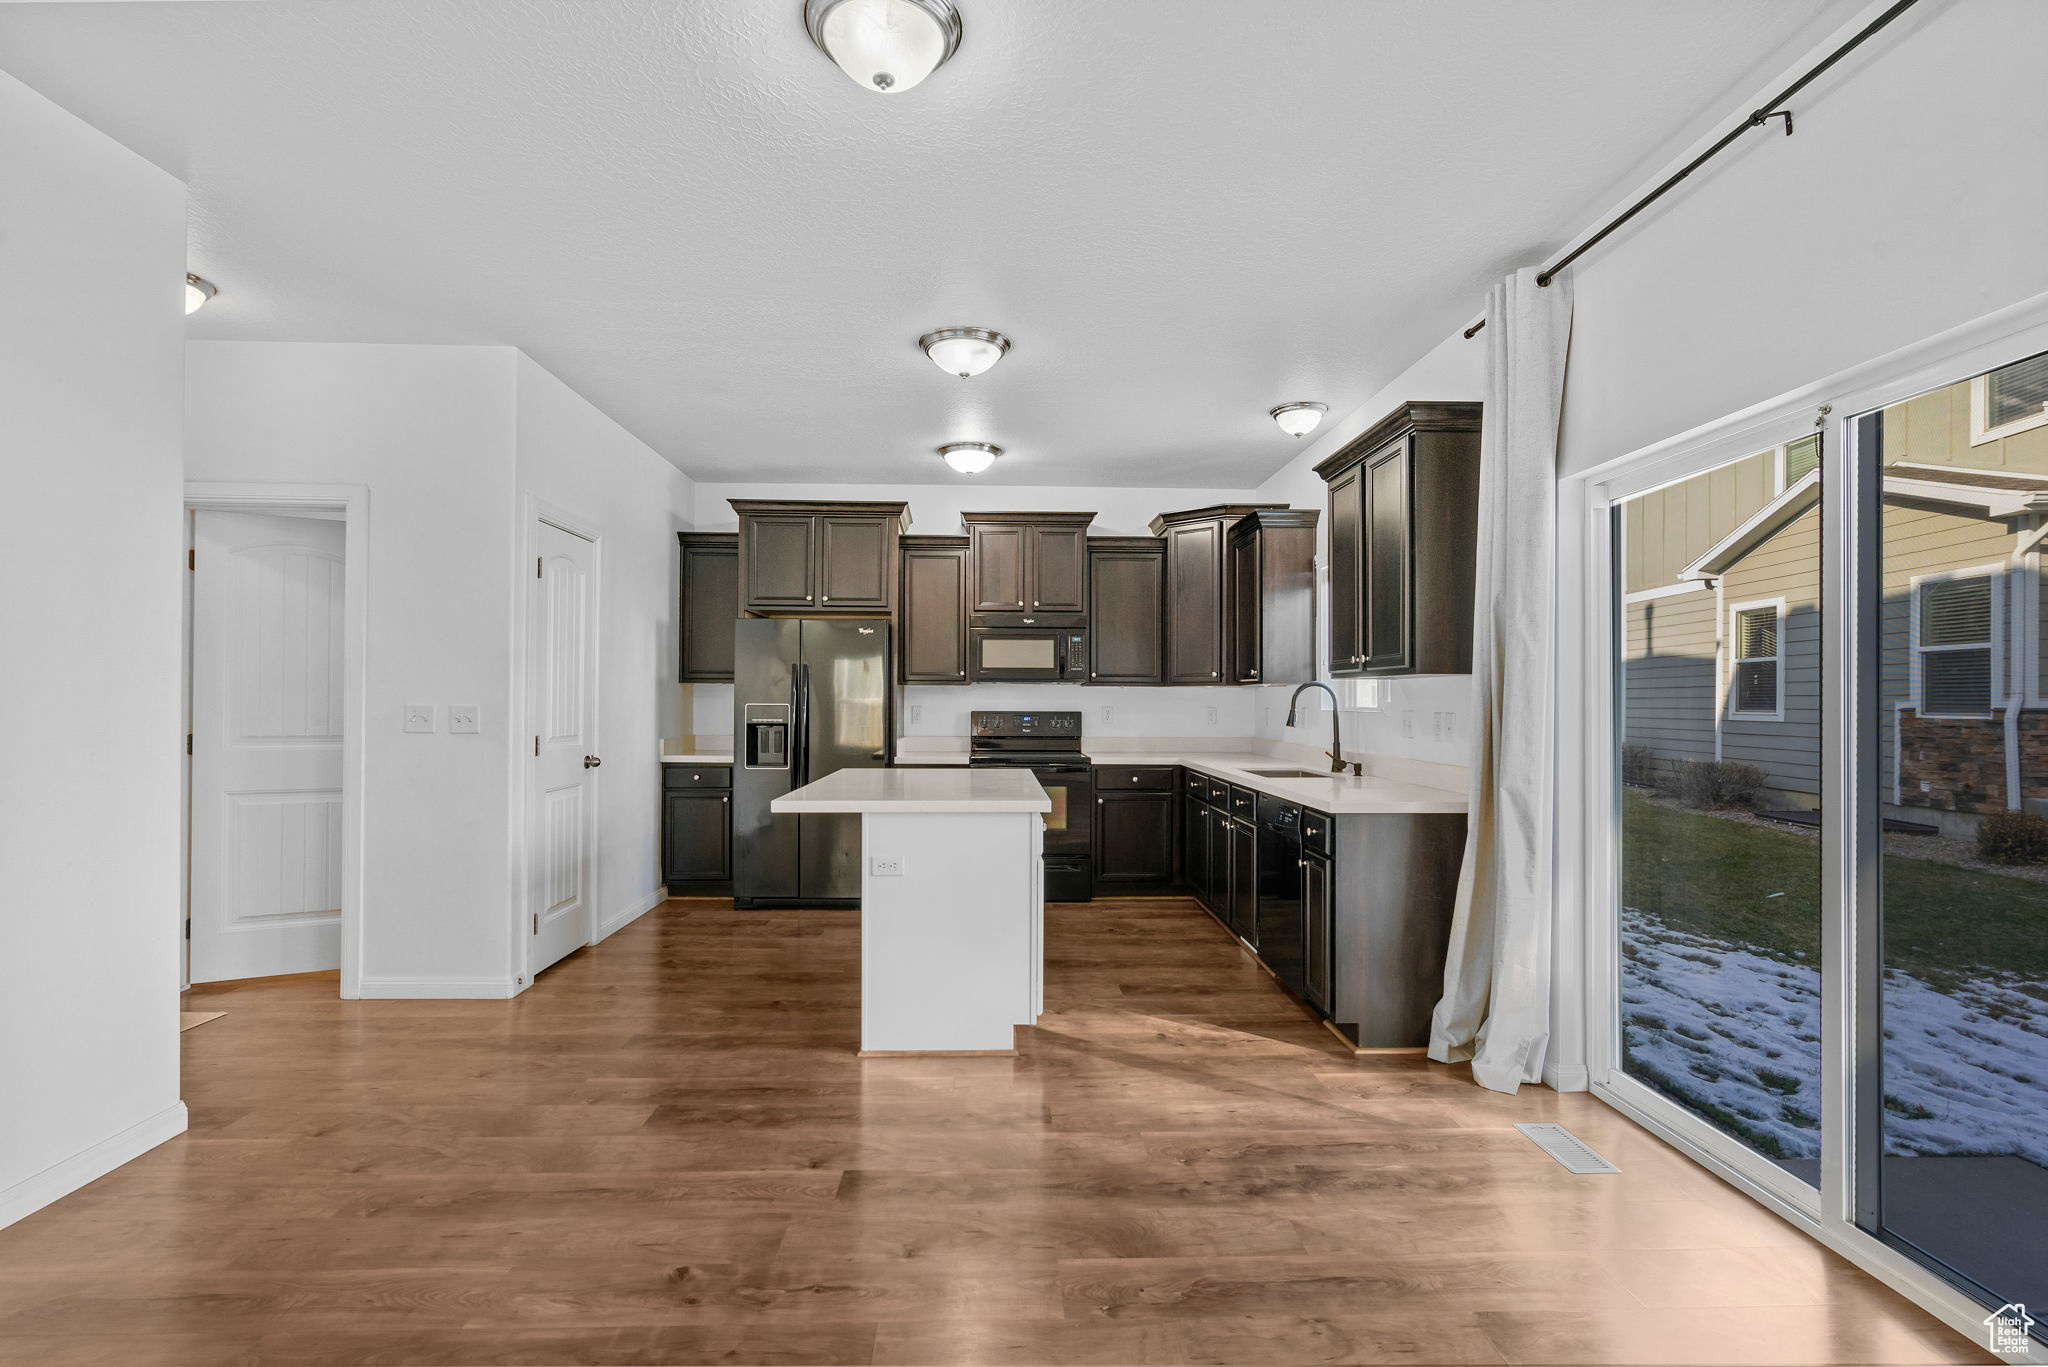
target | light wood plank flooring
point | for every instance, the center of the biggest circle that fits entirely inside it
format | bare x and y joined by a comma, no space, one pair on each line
666,1152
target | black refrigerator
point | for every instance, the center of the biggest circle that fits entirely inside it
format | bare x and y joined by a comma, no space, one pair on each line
811,696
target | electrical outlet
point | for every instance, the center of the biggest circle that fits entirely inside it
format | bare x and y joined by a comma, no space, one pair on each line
419,717
1108,715
462,719
1448,730
1408,723
916,713
1211,715
885,868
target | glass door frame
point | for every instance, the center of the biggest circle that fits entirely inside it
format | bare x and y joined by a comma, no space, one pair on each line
1843,1211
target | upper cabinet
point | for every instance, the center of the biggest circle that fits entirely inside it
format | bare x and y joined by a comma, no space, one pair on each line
797,557
1404,506
1126,589
710,601
931,638
1027,562
1271,576
1197,611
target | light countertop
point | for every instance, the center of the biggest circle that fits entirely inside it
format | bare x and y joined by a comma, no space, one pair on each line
667,758
1346,796
918,790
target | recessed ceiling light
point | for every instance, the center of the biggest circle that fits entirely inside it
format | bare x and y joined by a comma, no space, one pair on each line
197,292
1299,419
970,457
964,351
885,45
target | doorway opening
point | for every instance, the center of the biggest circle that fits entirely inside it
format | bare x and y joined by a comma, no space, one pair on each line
274,630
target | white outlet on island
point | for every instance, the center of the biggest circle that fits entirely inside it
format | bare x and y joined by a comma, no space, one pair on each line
419,718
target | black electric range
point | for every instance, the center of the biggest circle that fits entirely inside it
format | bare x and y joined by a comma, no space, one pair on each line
1048,744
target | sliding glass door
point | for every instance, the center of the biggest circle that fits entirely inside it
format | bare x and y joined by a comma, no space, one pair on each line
1823,741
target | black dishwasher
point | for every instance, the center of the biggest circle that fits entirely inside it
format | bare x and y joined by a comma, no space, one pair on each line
1279,911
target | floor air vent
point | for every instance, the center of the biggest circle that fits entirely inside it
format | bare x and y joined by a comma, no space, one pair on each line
1566,1147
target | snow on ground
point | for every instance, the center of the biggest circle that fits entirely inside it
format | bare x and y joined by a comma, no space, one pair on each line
1735,1035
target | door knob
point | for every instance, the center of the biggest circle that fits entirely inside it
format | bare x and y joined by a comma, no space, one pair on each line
591,761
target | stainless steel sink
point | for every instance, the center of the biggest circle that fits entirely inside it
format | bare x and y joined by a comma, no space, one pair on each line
1291,773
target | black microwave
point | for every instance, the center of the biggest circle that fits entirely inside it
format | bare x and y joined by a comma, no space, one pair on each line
1014,653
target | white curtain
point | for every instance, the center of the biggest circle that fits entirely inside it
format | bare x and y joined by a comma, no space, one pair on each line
1496,1004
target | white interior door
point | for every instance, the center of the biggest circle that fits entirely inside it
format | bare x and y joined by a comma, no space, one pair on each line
266,745
562,687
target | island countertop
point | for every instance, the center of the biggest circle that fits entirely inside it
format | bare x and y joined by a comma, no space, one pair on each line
918,790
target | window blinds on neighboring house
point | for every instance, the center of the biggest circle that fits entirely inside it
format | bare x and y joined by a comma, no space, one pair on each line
1955,623
2016,392
1756,660
1802,458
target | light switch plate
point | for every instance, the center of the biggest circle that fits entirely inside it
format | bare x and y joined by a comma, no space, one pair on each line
462,719
419,717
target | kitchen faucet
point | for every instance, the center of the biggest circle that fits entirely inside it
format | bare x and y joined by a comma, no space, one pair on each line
1336,751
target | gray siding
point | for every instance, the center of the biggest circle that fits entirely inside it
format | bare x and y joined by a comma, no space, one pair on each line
1668,672
1787,566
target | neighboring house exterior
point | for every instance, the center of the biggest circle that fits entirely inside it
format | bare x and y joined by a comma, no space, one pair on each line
1721,620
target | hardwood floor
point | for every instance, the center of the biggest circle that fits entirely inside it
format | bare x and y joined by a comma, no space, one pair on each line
666,1152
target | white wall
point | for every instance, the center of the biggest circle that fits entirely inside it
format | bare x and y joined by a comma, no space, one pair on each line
430,431
1911,199
91,348
1406,724
574,457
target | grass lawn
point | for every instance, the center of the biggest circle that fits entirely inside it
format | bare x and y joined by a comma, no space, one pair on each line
1744,885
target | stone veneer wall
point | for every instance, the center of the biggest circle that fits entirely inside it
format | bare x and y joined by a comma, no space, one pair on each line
1962,760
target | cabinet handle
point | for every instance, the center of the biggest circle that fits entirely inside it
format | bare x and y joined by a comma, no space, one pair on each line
828,597
1212,673
1100,801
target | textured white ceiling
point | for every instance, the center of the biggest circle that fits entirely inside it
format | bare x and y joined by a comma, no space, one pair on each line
1183,211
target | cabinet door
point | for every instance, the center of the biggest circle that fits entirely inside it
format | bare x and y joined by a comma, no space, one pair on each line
1347,572
1388,598
1058,569
1134,837
696,838
934,634
1245,622
1216,893
999,556
710,603
1194,846
780,553
1194,603
854,562
1316,930
1126,632
1244,883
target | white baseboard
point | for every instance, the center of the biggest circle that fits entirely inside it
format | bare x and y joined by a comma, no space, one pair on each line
619,920
31,1194
464,989
1567,1077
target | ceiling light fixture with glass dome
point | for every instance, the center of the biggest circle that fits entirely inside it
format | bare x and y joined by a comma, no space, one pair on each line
964,351
197,292
970,457
1299,419
886,46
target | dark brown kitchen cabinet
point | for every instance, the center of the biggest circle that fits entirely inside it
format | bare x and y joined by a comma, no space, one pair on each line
696,830
1244,880
798,557
1194,845
1404,512
1134,827
1126,588
1028,562
1317,929
709,601
932,621
1272,604
1196,605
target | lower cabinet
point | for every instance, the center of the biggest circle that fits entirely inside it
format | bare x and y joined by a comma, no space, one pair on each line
696,830
1316,928
1194,845
1133,827
1244,881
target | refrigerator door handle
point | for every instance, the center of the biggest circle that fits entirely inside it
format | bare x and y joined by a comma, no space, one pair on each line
800,725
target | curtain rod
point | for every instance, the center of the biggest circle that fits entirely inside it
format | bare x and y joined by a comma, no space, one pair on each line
1772,109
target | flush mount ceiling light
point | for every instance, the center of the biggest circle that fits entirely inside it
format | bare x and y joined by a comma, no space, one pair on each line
885,45
1299,419
970,457
197,292
964,351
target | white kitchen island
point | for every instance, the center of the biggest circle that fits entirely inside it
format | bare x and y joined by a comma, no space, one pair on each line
952,946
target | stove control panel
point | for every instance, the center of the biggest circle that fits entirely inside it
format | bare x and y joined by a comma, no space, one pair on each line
1031,725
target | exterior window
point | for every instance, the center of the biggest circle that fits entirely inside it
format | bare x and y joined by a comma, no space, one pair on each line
1360,695
1802,458
1754,692
2010,399
1952,641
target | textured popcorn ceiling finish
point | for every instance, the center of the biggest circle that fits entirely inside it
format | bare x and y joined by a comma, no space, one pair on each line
1184,211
